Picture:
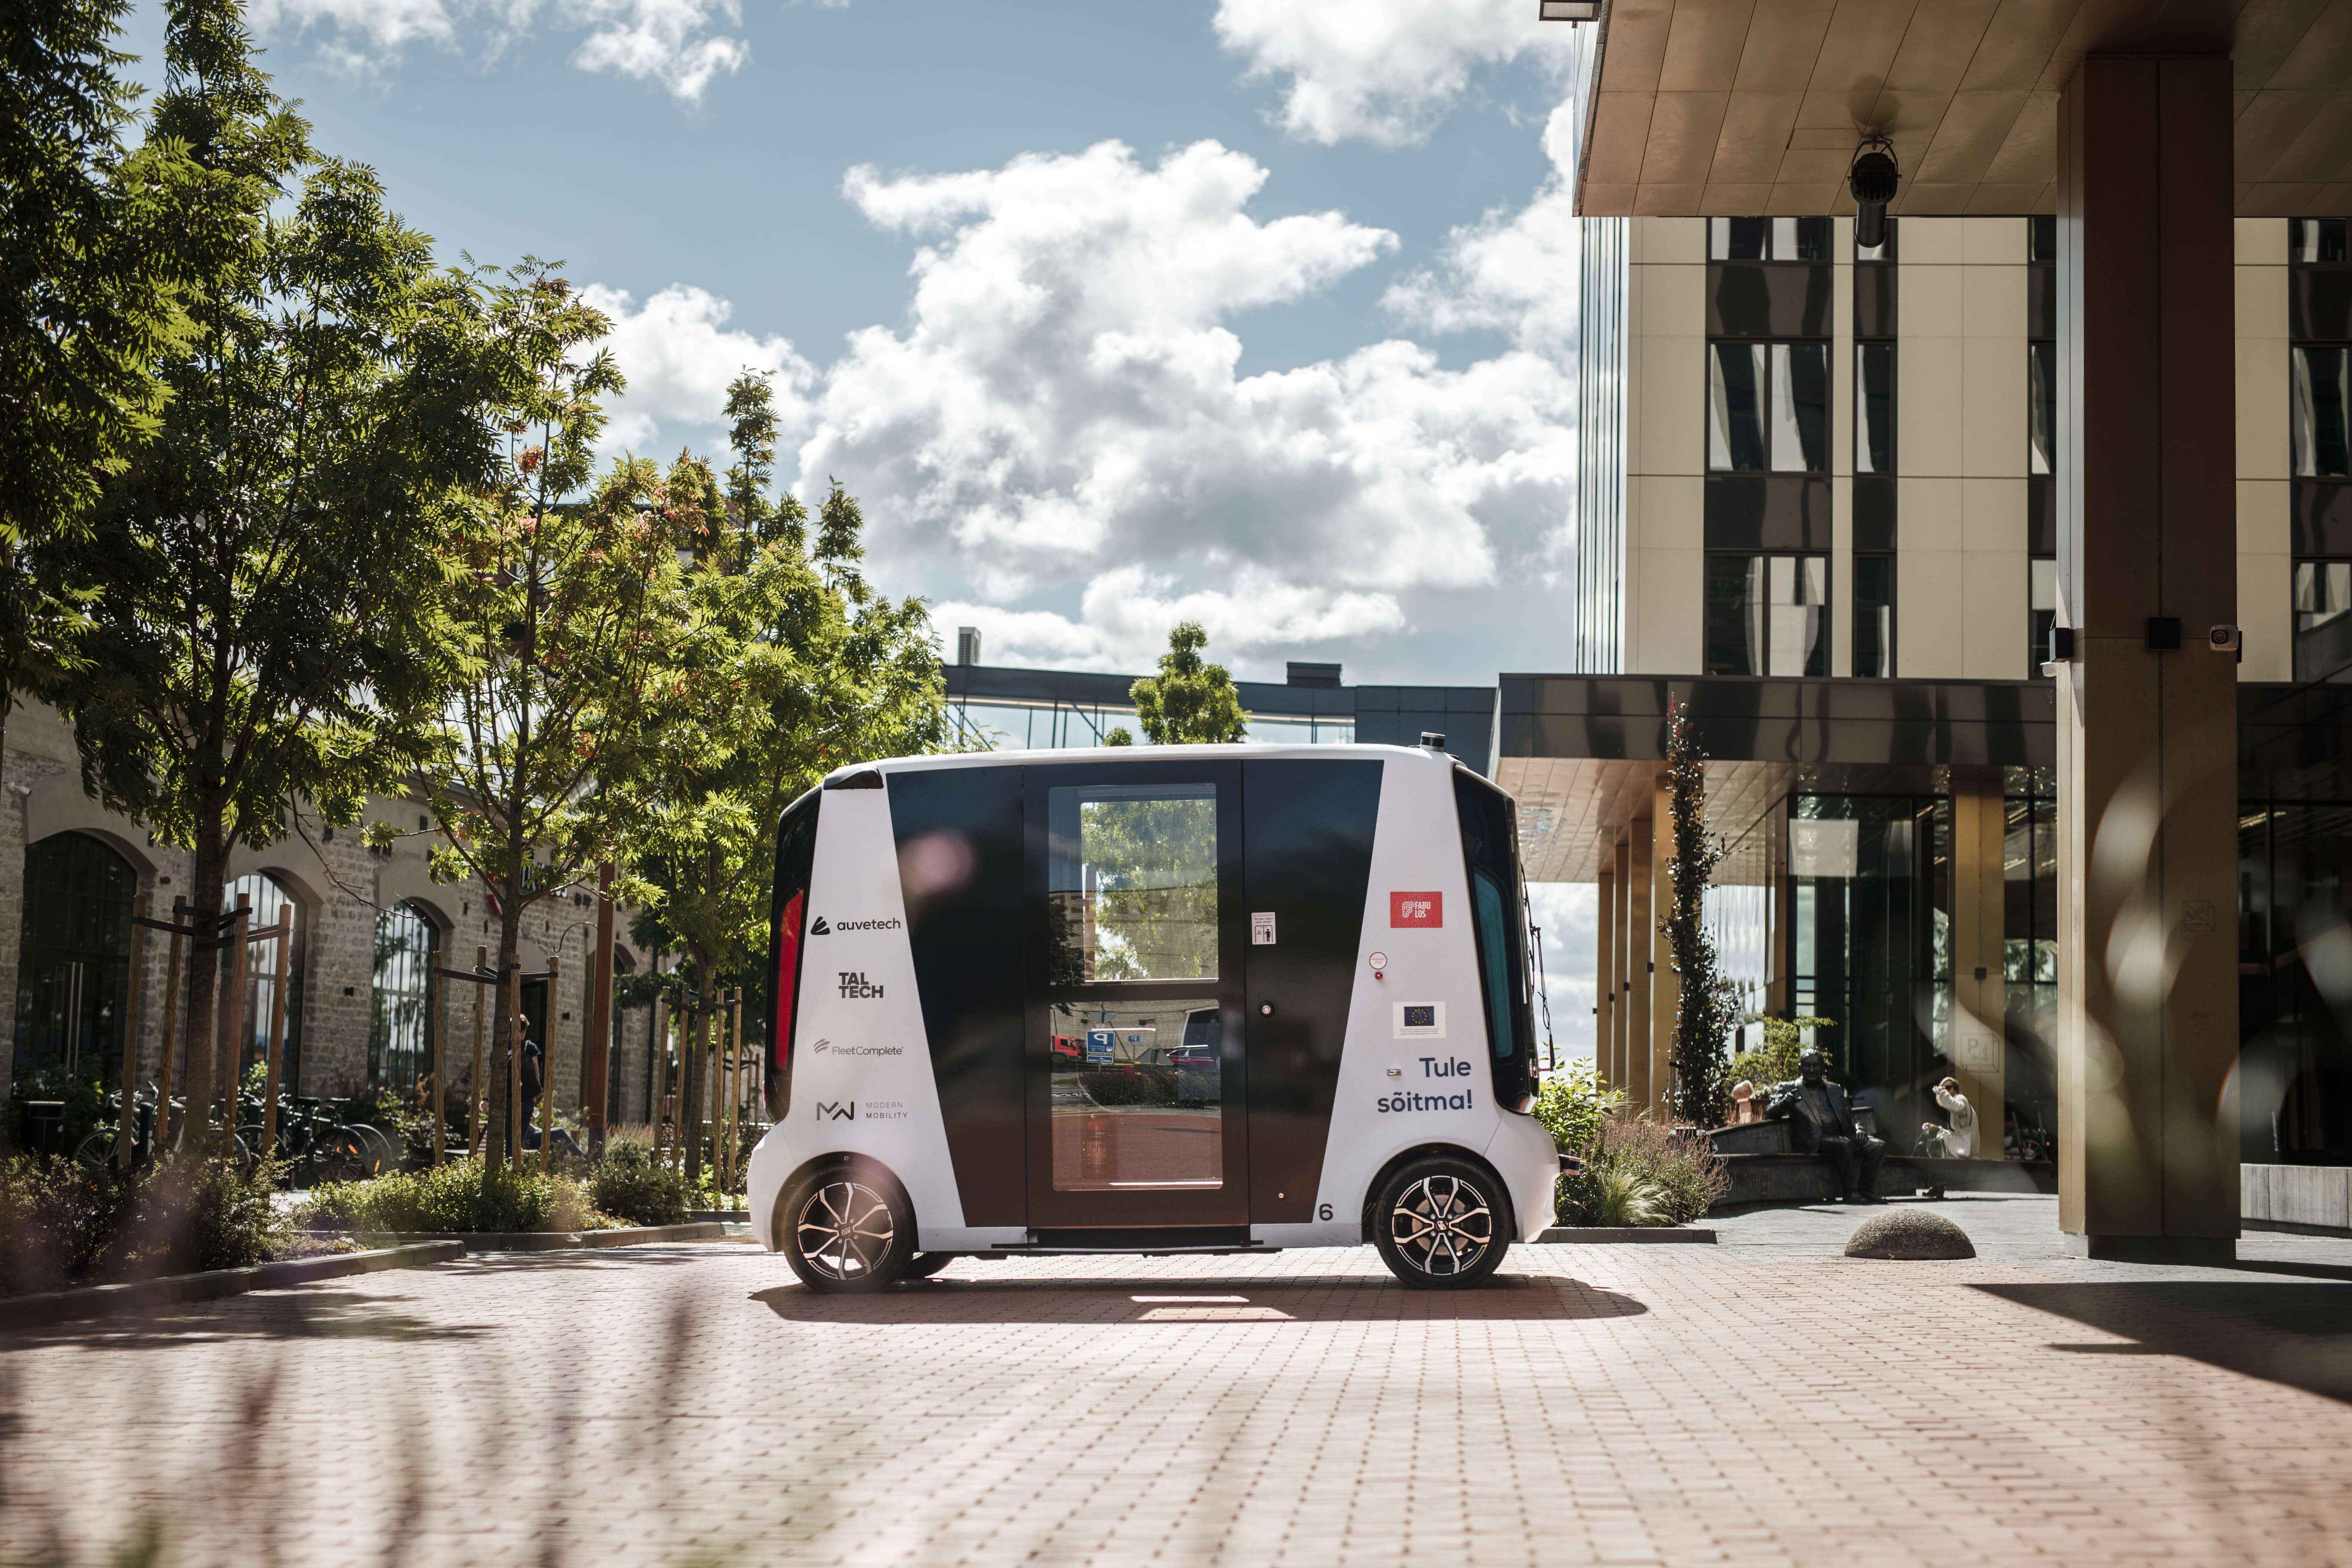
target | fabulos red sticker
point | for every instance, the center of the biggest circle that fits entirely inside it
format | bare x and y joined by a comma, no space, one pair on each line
1416,909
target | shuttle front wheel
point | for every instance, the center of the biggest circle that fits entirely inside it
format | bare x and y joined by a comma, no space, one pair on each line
1438,1224
848,1230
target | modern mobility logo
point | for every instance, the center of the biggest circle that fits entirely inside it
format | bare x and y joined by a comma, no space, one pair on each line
846,1110
1453,1067
820,928
836,1111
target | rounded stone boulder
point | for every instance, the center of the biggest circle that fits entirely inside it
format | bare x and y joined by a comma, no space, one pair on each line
1909,1233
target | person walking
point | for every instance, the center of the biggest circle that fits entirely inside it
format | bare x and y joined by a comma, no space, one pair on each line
534,1078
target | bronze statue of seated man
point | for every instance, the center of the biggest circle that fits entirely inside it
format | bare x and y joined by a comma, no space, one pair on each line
1821,1121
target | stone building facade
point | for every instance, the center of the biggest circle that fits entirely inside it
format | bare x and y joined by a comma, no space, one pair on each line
71,872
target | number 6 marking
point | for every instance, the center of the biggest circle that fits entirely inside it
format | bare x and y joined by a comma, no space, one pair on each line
1323,1211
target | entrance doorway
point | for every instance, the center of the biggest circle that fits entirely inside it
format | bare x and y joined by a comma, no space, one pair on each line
73,963
1135,1089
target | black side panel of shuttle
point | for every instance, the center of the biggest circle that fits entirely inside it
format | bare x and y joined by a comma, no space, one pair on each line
1306,846
959,862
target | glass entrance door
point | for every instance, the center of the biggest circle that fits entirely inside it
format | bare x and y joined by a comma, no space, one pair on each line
1135,1049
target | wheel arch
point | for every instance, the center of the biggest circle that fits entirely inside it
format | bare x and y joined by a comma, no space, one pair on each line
1470,1157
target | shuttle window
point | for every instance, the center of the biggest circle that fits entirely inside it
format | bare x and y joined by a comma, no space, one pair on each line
1133,882
1133,1108
1491,851
795,860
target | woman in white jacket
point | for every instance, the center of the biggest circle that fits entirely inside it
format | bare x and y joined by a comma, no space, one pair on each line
1961,1138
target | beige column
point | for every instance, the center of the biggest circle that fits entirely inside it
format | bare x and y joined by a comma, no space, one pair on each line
1979,996
1640,969
2147,1157
1665,985
1621,949
1604,976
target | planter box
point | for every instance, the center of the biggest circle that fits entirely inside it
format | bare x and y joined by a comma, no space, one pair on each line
149,1294
1616,1232
552,1240
2314,1200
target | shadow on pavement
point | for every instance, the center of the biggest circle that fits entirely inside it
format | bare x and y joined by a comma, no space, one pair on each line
2298,1335
302,1314
1306,1298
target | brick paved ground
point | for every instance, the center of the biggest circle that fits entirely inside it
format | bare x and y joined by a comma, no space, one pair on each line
1764,1400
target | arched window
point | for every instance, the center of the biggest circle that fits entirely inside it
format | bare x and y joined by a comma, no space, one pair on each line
73,959
270,899
399,1042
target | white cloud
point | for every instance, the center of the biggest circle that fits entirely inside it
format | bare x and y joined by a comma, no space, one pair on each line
678,355
678,44
1383,70
1061,411
1511,272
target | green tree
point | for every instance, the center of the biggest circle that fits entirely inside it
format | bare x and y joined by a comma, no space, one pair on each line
259,634
567,626
796,668
89,303
1189,702
1700,1096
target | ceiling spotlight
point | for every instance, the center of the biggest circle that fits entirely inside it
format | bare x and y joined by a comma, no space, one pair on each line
1873,180
1567,10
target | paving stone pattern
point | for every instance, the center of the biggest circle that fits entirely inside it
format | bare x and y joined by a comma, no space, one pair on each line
1759,1402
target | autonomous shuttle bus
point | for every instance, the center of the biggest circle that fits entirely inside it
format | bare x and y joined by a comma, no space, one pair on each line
1217,999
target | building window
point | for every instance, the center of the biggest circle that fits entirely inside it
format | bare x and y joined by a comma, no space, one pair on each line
1874,615
2042,407
1768,239
270,901
2320,389
73,962
2044,590
2042,238
399,1044
1873,408
1768,614
2317,239
1768,407
2323,591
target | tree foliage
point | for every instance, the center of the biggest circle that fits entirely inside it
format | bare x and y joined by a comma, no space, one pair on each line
795,667
1189,701
89,303
1701,1093
258,635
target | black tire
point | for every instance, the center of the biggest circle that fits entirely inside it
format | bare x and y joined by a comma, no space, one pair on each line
1441,1223
846,1229
926,1263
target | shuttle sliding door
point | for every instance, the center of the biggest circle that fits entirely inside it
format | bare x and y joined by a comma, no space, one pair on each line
1135,1036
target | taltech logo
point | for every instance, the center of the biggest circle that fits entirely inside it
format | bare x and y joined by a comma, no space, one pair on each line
831,1111
822,928
853,984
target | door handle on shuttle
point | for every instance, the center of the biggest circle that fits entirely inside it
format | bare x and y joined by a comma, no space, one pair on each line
1265,1009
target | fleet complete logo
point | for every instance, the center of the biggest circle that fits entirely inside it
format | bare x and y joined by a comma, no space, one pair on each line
1407,909
831,1111
856,986
821,929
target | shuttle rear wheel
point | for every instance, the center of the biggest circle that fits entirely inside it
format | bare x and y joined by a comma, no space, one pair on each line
1439,1223
848,1230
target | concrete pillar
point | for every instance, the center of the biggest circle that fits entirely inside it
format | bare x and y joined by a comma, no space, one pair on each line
2148,1158
1640,965
1980,995
1621,947
1665,985
1604,976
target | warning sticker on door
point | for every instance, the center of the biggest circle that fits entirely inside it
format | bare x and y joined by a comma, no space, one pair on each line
1420,1020
1261,928
1416,910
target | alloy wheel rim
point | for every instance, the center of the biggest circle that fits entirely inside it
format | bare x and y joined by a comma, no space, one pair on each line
1441,1226
844,1230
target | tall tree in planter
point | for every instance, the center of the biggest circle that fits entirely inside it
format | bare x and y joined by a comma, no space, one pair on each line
1191,702
797,667
258,633
1700,1096
566,625
89,304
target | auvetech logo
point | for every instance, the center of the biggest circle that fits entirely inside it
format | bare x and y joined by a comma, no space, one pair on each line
830,1110
820,928
887,922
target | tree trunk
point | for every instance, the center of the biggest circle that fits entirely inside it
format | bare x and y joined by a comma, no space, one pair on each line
205,959
507,998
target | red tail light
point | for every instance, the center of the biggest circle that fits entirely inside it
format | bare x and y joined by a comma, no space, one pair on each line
788,976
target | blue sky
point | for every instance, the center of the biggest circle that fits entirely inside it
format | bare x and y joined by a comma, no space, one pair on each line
1257,312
